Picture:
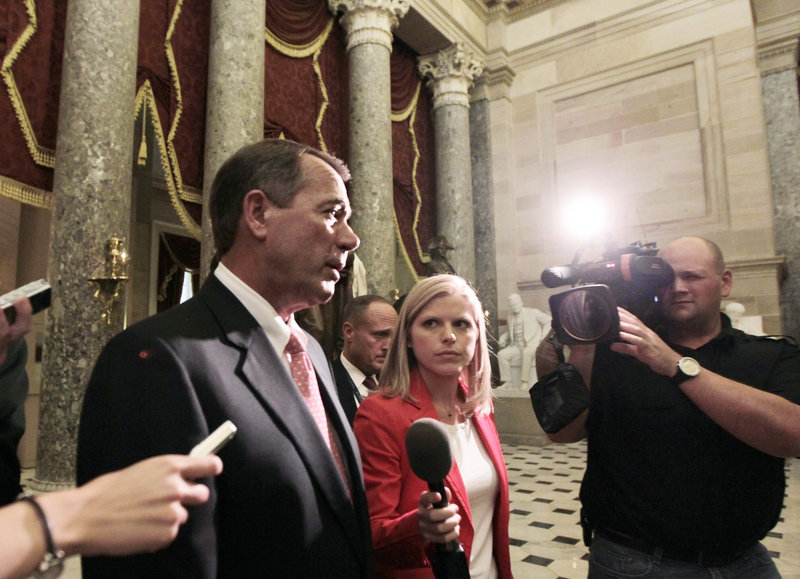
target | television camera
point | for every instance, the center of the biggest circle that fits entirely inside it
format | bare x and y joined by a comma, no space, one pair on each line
629,277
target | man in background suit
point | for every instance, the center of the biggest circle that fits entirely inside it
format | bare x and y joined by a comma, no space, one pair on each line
368,324
291,501
13,391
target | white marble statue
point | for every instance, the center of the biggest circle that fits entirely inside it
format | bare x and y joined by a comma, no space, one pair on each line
748,324
517,356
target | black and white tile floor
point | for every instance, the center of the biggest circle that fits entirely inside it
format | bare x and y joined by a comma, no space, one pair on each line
545,535
546,540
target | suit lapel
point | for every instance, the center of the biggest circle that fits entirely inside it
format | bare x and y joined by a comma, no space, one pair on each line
345,389
263,371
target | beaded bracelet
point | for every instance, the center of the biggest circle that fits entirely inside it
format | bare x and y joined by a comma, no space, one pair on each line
52,563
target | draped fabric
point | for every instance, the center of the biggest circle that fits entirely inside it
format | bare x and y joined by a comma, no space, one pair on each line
171,83
306,76
414,176
176,255
31,48
306,100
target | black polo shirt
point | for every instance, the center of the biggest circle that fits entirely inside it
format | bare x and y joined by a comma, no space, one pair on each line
660,470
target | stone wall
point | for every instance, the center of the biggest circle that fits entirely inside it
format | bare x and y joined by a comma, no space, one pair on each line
654,112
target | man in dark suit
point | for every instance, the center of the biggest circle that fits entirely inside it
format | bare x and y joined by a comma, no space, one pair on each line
13,391
291,501
367,327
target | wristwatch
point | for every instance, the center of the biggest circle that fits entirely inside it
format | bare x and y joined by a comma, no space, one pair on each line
687,368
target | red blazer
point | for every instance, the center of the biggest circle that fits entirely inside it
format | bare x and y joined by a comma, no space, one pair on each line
393,489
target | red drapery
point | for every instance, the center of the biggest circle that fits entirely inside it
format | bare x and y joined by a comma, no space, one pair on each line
306,100
306,78
413,157
31,46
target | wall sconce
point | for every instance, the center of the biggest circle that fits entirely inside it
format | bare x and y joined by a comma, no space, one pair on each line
108,288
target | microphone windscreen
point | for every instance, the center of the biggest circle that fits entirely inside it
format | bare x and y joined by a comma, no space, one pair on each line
428,449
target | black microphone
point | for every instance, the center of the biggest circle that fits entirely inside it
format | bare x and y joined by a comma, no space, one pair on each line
429,455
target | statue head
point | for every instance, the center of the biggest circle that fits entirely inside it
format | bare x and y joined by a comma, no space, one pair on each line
735,311
515,303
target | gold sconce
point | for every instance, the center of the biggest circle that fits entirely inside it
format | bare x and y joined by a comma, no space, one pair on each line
108,288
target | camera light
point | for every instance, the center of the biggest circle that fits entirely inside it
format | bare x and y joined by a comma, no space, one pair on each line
585,218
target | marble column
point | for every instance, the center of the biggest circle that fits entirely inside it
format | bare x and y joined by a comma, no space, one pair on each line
235,94
369,25
450,74
483,200
779,84
92,190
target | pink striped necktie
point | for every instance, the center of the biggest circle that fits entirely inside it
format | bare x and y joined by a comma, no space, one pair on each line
304,376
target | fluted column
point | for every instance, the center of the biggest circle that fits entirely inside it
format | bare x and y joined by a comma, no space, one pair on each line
235,97
778,58
451,73
369,25
92,190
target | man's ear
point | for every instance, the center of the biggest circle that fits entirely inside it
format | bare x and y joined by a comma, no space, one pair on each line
255,207
347,331
727,283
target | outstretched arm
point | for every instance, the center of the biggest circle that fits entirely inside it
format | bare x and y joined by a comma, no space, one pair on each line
133,510
761,419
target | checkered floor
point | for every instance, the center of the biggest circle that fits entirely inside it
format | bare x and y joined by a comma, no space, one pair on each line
545,534
546,537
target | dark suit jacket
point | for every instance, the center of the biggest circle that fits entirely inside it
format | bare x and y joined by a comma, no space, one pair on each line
345,387
13,391
279,508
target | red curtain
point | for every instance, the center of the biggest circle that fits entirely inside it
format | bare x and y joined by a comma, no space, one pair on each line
177,255
306,98
33,44
306,92
173,59
413,157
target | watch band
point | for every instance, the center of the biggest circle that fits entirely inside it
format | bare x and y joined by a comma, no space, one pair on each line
686,368
52,564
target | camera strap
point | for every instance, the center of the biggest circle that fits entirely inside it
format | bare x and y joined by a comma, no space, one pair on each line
558,347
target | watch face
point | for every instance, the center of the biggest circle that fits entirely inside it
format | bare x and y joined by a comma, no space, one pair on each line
689,366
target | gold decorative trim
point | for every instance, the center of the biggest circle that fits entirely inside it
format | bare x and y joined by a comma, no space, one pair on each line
25,193
145,98
299,51
172,153
313,49
41,155
410,114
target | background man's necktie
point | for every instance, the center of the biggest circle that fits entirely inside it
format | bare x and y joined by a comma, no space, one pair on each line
370,383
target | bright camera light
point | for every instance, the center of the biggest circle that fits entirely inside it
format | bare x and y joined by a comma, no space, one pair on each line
585,218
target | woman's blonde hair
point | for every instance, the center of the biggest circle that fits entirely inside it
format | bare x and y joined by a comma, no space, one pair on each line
400,358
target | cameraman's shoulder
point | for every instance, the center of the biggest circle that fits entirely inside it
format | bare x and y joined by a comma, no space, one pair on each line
782,339
782,343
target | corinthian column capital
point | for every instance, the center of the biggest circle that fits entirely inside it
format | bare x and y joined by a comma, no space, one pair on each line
369,21
450,73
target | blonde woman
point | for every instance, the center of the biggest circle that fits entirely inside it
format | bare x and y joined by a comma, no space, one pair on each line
437,367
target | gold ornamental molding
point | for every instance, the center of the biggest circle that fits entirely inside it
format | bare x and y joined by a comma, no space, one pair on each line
146,100
25,193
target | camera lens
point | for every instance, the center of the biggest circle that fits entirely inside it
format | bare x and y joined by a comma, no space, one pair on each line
585,315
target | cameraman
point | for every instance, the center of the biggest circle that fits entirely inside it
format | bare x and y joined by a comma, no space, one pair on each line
685,463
